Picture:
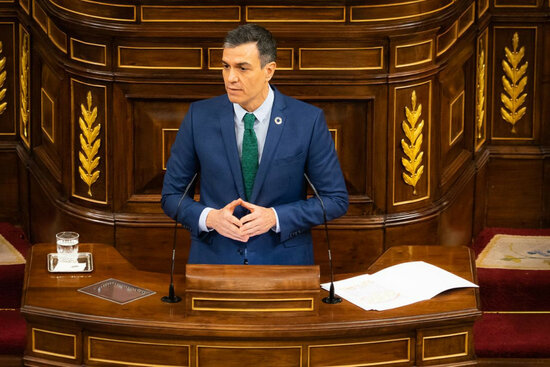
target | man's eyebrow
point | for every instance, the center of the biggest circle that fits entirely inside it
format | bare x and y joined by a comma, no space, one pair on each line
239,64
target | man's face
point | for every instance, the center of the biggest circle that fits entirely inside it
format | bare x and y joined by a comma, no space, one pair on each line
246,82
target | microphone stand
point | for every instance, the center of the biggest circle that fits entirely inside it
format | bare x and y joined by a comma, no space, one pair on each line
332,298
171,297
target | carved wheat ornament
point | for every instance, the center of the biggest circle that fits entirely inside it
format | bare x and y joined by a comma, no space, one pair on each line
514,82
24,80
413,155
89,143
480,106
3,76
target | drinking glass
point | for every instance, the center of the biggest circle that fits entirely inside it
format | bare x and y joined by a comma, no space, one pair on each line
67,246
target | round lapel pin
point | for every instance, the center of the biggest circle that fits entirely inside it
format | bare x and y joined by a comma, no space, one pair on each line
278,120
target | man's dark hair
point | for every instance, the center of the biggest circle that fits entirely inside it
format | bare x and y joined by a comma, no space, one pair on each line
267,47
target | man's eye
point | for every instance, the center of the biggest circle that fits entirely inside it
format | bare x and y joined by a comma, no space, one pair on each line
225,66
243,68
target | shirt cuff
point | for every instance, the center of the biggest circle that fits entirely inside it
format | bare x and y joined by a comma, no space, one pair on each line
202,220
276,227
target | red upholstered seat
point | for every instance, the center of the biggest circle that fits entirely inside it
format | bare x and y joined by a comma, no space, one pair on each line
12,332
512,336
12,324
521,331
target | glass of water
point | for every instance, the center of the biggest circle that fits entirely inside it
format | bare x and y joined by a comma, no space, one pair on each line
67,246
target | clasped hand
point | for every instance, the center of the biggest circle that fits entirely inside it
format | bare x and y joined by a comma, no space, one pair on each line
258,221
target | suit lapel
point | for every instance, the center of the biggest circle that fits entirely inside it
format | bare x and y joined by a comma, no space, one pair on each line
274,133
227,126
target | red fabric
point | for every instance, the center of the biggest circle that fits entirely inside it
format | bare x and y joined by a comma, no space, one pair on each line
12,332
512,336
508,289
514,290
11,276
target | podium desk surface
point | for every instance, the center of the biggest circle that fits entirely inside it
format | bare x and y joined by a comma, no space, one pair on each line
51,302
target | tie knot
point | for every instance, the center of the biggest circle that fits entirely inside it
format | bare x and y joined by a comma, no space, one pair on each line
249,119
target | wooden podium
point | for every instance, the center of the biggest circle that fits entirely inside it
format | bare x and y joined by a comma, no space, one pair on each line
252,290
69,328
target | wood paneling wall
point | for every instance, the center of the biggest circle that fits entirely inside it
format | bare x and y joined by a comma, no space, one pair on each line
436,108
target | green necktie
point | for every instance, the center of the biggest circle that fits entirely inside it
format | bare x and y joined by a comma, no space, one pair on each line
249,158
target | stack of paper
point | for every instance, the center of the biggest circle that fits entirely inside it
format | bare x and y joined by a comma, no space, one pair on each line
397,286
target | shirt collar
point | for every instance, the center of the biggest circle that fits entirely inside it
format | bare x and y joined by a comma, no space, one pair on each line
261,112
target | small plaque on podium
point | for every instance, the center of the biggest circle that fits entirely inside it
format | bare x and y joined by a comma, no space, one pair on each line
252,290
116,291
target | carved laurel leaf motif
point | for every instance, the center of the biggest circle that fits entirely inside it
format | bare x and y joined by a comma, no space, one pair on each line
514,82
480,106
3,75
89,144
413,156
24,81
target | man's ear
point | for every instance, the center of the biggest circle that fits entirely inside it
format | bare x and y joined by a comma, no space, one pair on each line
269,70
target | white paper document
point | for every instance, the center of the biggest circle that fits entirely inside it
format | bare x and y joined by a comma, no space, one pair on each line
397,286
69,267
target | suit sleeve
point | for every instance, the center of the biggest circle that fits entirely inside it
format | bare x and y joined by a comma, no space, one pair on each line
180,169
323,169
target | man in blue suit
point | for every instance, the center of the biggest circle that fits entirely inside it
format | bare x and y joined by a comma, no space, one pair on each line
251,148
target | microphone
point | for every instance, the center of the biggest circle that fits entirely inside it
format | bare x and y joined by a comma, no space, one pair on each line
331,299
171,297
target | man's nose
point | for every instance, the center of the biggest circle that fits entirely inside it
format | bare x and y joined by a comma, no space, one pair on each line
232,76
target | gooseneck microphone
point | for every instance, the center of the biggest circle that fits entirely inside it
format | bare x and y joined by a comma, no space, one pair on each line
331,299
171,297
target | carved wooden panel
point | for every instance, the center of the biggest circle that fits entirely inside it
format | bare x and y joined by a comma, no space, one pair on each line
7,78
369,58
400,10
126,351
89,126
55,343
48,143
48,103
373,352
411,143
482,6
517,3
25,5
413,53
454,116
295,14
57,36
97,10
24,86
447,38
155,127
348,120
157,57
514,83
480,134
515,187
179,13
232,356
88,52
40,16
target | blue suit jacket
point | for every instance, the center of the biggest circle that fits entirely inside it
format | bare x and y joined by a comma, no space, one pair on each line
206,144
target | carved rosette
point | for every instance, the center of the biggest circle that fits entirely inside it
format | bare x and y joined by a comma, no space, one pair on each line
24,76
3,77
514,82
413,155
89,143
480,93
